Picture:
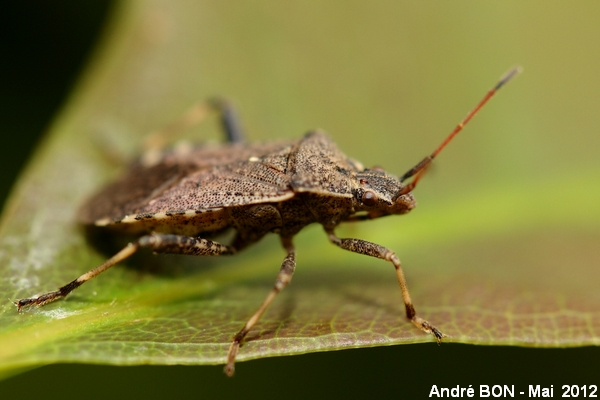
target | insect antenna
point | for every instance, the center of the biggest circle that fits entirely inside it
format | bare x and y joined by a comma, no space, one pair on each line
418,170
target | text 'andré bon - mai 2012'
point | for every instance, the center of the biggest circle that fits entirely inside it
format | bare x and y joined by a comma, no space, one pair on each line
506,391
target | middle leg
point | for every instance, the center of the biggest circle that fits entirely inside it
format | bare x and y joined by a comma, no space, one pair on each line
283,279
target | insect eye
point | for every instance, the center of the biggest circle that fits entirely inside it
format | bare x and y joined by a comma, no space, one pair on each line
369,198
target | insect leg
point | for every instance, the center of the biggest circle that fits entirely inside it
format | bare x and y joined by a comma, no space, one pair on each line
374,250
234,133
160,243
160,138
177,244
283,279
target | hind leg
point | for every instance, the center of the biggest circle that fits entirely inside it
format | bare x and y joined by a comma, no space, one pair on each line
159,243
230,123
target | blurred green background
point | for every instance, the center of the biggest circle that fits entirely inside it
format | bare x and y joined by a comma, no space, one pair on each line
392,78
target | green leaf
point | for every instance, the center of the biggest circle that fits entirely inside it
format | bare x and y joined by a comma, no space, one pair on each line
489,260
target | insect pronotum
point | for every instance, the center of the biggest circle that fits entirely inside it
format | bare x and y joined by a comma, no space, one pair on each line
175,201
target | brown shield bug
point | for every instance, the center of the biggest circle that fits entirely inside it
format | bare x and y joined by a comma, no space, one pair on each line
176,201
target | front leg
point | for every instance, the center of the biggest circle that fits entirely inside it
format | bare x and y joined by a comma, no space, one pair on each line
159,243
374,250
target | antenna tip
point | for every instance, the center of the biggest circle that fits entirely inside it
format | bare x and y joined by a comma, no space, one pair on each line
508,76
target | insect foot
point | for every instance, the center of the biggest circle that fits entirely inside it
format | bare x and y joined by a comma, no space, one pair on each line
177,201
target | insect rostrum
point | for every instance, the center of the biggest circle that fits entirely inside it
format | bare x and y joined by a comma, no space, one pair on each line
176,201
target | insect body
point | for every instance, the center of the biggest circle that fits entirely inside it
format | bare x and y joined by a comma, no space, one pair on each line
177,201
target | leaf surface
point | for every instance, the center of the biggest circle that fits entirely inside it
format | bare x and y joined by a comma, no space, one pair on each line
489,264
